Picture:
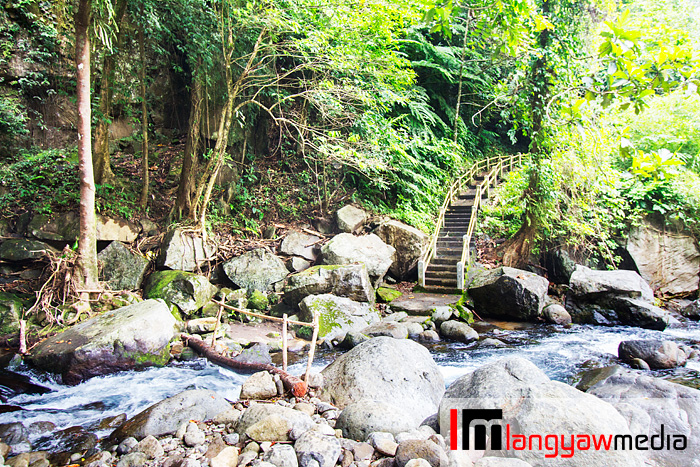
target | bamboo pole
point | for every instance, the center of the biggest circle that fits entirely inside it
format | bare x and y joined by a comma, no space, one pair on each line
261,316
284,342
312,350
216,326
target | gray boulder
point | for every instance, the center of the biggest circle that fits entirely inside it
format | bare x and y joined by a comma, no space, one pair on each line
166,417
388,329
115,229
315,449
121,268
256,270
533,404
556,314
649,404
337,315
399,372
508,292
267,421
183,252
359,419
370,250
186,290
692,311
349,218
131,337
300,244
667,260
351,281
11,310
588,283
458,331
24,249
409,244
656,353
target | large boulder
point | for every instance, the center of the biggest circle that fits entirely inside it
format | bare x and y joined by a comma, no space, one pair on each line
351,281
613,297
509,293
271,422
653,406
11,310
409,244
131,337
182,251
668,261
186,290
300,244
256,270
24,249
399,372
116,229
369,249
65,227
337,315
166,416
657,353
532,404
359,419
121,268
349,218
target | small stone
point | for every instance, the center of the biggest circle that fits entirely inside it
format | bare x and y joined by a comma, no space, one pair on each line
134,459
180,433
346,458
305,407
315,380
271,428
281,455
429,336
194,436
414,329
126,446
232,439
383,442
458,331
246,458
252,447
259,386
639,364
423,449
362,451
228,457
556,314
227,418
151,447
316,449
491,342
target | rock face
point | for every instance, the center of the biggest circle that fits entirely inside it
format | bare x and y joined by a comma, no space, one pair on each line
668,261
24,249
650,403
337,315
559,265
166,416
256,270
408,242
188,291
299,244
351,281
370,250
121,268
657,354
533,404
398,372
116,229
135,336
182,252
349,218
508,292
613,297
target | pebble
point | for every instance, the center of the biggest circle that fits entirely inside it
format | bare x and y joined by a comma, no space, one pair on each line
150,447
232,439
126,446
383,442
193,436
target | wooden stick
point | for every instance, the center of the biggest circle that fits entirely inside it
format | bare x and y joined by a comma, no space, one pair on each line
312,350
22,337
292,383
284,342
216,326
258,315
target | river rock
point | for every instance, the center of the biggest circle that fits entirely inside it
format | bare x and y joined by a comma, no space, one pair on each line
588,283
692,311
16,436
300,244
267,421
259,385
509,292
421,449
258,353
533,404
667,260
256,270
656,353
648,404
359,419
556,314
560,266
458,331
281,455
396,371
409,244
351,281
387,329
183,251
349,218
151,447
201,325
337,315
370,250
131,337
121,268
166,416
11,309
315,449
188,291
24,249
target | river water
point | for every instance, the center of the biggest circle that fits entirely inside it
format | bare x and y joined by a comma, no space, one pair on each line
561,353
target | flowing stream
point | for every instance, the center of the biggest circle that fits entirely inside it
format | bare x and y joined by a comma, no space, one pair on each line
562,353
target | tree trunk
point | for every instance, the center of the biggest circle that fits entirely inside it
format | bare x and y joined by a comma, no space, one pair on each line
186,189
144,121
87,242
101,162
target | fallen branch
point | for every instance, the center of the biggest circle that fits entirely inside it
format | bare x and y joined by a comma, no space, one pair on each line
291,383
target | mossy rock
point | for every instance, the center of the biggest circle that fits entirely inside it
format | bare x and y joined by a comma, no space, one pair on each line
387,294
188,291
257,300
11,307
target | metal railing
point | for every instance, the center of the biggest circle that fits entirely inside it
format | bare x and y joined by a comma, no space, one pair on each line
495,166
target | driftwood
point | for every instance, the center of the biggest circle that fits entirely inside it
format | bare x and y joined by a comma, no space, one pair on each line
291,383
